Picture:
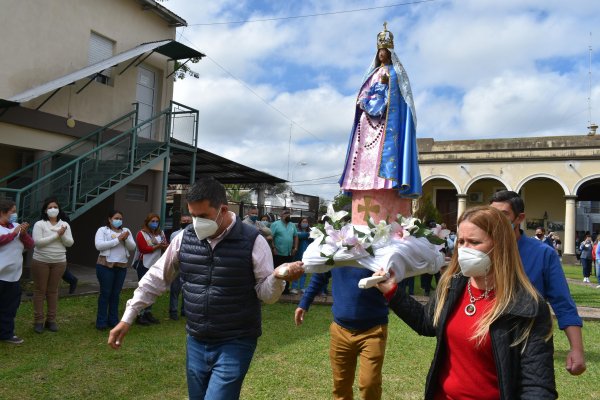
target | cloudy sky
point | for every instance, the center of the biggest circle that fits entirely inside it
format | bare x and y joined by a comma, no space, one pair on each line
277,92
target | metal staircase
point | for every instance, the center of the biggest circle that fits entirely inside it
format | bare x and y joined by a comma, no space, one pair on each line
91,168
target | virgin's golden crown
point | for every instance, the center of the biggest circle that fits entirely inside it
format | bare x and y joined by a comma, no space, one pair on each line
385,38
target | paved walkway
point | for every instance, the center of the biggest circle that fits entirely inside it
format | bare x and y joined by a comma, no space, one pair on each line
88,284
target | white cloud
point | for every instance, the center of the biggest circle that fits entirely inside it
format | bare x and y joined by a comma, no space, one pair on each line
478,69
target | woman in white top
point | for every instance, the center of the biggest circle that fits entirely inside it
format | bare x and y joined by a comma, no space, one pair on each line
151,241
114,244
52,235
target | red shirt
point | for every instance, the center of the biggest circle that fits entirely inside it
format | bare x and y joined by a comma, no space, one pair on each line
9,237
467,372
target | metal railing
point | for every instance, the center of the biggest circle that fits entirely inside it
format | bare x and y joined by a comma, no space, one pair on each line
98,171
36,170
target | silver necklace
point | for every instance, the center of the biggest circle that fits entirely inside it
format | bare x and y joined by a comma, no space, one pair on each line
470,308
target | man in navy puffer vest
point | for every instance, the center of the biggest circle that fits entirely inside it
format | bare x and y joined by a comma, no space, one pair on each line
226,268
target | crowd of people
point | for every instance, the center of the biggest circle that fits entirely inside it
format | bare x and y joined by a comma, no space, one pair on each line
489,310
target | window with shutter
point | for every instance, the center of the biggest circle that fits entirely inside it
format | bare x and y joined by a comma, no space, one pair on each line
100,49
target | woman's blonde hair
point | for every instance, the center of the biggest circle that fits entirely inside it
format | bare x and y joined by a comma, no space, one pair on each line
506,270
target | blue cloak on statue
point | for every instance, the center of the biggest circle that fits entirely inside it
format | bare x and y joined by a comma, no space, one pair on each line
398,156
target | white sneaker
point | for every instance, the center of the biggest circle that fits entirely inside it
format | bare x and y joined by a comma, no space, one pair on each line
294,291
597,286
587,280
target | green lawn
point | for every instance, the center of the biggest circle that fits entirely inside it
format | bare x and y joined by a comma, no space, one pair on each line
573,271
290,362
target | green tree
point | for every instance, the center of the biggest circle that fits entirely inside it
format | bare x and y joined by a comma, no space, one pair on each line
237,195
426,211
342,202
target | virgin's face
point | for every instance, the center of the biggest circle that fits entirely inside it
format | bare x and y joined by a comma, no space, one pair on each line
384,56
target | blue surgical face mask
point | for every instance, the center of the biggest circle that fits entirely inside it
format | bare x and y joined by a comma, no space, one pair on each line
254,218
153,225
265,223
12,218
304,225
117,223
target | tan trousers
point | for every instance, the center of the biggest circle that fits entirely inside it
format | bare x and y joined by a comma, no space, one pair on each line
345,347
46,278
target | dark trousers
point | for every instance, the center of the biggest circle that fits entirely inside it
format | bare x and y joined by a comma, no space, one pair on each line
69,277
277,261
408,283
426,280
586,263
174,297
141,271
10,299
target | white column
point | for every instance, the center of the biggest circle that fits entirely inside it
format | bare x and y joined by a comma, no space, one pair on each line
462,205
570,220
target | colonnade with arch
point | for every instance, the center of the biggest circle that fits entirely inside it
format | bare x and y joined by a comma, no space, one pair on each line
552,175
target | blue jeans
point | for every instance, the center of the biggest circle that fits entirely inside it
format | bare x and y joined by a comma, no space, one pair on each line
216,371
299,284
111,282
586,263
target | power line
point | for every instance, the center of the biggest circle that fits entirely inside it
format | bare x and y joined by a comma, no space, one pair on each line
317,179
317,184
313,15
284,115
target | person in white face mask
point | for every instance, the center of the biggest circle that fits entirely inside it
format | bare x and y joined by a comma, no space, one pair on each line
227,270
52,235
494,330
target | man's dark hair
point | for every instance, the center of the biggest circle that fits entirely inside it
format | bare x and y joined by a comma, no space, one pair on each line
541,228
207,189
510,197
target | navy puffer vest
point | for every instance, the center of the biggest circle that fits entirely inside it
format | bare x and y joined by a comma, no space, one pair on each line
218,285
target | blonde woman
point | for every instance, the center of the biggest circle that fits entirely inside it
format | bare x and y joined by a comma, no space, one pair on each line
52,235
494,331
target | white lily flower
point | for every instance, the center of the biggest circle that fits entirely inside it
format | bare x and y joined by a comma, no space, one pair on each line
381,232
316,235
409,225
333,215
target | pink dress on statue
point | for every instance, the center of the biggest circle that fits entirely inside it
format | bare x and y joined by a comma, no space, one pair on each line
365,153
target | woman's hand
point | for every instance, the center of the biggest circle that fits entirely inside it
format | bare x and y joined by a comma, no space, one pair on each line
388,284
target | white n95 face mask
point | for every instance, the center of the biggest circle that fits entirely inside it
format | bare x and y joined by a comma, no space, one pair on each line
52,212
473,263
205,227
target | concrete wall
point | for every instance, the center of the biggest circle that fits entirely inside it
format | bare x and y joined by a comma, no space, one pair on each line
51,39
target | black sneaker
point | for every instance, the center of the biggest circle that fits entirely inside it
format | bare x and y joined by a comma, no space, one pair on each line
14,340
150,318
174,317
38,328
141,320
51,326
73,286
